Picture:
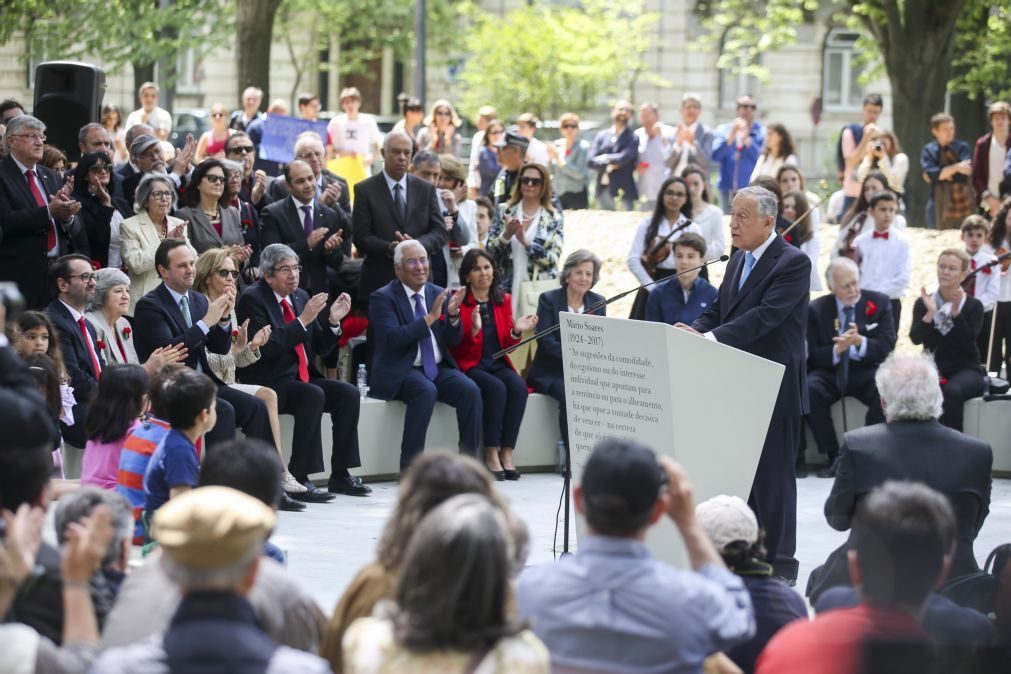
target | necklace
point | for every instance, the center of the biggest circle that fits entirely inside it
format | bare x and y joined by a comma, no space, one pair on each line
216,215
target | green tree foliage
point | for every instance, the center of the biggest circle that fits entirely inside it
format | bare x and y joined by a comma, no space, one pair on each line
983,50
549,59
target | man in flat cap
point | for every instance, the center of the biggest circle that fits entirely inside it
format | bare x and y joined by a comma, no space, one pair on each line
212,539
512,150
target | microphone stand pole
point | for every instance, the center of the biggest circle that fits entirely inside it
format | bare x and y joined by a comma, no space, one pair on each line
801,218
567,476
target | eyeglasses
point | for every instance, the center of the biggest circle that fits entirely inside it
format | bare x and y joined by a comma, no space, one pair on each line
99,168
417,262
161,195
87,277
288,269
241,149
307,154
536,182
41,137
214,178
218,115
570,126
225,273
747,106
442,113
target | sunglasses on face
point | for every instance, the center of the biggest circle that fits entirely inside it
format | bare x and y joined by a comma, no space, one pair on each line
570,126
214,179
225,273
217,115
99,168
536,182
746,106
241,149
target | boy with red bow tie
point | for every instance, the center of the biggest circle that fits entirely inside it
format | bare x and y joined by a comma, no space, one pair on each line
883,253
984,284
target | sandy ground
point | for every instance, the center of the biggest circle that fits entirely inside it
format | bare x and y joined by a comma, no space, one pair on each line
609,235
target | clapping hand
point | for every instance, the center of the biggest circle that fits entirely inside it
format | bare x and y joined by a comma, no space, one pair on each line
455,301
61,205
511,228
340,308
260,338
956,302
847,339
24,535
929,303
179,231
525,323
164,355
316,236
435,312
242,253
333,241
331,194
241,337
312,308
259,186
181,164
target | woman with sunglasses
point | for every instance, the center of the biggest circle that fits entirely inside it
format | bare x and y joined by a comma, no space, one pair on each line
101,213
440,133
217,270
212,225
569,155
212,142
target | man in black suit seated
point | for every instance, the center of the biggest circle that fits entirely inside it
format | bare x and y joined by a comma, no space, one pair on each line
912,445
414,328
38,219
849,334
73,284
331,189
319,235
174,313
302,328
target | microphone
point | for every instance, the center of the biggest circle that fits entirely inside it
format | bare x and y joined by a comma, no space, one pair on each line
603,303
988,265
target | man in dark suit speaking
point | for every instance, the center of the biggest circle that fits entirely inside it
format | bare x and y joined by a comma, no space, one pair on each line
762,309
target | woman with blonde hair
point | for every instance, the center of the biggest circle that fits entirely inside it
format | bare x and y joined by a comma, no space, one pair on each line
883,153
212,142
440,132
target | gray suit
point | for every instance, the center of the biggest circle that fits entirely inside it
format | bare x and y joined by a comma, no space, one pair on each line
202,233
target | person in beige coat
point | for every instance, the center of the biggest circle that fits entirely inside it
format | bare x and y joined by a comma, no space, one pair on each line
141,234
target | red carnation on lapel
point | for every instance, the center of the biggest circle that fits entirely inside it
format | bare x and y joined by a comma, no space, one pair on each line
871,309
127,331
235,335
101,345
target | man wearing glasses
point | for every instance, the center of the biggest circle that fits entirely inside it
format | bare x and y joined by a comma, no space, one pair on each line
73,284
38,219
736,146
146,155
239,148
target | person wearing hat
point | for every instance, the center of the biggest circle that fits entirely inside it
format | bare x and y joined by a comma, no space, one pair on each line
733,529
211,540
512,150
453,185
612,606
146,154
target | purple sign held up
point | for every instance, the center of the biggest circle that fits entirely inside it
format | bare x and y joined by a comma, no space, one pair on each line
280,132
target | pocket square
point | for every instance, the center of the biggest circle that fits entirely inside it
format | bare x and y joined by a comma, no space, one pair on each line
871,327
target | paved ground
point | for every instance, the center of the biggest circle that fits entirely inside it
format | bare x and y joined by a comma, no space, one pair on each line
327,543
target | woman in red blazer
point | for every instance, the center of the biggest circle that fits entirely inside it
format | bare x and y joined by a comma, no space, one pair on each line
487,327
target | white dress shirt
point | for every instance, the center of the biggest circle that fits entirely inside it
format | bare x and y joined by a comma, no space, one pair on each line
757,253
885,265
987,284
640,245
390,182
424,305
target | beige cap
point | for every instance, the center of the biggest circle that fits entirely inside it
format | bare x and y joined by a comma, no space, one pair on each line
726,519
211,527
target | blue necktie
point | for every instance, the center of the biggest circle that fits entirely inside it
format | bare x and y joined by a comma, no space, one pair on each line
844,357
749,264
426,346
307,223
184,307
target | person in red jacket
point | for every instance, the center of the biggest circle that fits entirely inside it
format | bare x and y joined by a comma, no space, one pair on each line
487,328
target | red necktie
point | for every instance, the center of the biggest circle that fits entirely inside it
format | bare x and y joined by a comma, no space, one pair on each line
90,347
40,202
303,362
881,235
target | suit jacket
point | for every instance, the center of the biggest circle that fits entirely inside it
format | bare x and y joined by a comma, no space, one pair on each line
278,360
470,350
666,303
95,219
277,190
623,150
878,329
950,462
202,233
24,228
108,333
159,322
547,365
139,240
981,166
280,223
376,219
768,316
398,333
76,358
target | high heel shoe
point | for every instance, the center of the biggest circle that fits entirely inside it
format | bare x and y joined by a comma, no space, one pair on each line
499,475
511,474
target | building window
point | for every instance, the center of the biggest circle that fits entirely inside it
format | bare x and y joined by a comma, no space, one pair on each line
841,90
190,71
735,82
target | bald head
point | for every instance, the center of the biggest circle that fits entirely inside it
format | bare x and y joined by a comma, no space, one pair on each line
397,150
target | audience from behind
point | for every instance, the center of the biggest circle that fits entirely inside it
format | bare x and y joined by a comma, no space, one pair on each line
884,253
580,272
451,609
487,327
286,365
733,529
611,606
899,554
120,401
416,324
684,299
909,447
211,541
614,156
849,334
947,324
434,478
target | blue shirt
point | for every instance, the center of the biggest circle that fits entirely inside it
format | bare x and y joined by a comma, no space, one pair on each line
736,165
173,464
667,303
613,607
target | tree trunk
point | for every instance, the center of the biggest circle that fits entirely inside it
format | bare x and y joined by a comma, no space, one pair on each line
254,32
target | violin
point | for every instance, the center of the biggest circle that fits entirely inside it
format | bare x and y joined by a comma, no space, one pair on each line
1005,262
660,249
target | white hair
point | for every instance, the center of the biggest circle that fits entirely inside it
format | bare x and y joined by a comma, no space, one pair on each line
909,387
836,263
768,205
306,138
16,124
221,579
398,252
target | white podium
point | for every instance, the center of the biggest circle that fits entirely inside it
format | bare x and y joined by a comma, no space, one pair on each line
707,405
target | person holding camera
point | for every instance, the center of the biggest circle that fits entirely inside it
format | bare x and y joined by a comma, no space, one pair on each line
884,154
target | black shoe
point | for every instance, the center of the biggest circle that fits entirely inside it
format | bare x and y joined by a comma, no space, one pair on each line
801,471
348,485
511,474
313,494
829,470
288,504
792,582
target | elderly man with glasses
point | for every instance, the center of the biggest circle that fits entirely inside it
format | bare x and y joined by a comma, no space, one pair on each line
38,218
146,154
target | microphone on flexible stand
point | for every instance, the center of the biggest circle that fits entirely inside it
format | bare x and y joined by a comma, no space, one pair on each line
989,265
603,303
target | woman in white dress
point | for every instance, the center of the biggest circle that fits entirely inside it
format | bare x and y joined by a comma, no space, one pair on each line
778,152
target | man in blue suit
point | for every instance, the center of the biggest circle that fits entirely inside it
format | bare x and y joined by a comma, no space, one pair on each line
762,308
414,328
614,156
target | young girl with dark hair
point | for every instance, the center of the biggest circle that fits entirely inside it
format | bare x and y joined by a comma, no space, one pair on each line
120,401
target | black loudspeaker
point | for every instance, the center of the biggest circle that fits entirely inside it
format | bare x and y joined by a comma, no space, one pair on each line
68,95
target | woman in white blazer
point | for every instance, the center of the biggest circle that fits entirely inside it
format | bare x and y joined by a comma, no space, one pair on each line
141,234
108,314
